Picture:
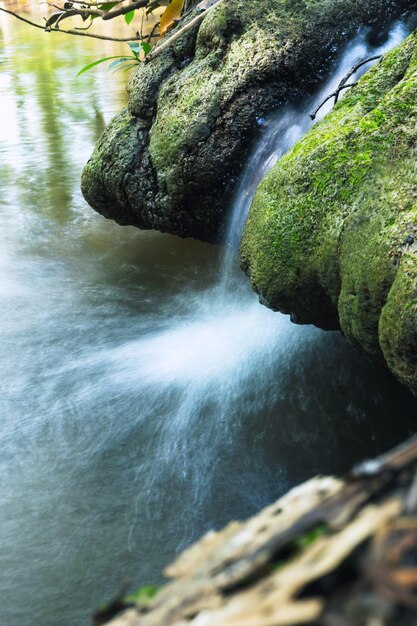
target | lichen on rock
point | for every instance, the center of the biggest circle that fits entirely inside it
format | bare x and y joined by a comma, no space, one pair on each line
171,159
331,233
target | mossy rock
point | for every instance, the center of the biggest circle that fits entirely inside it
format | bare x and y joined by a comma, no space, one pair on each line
330,235
171,160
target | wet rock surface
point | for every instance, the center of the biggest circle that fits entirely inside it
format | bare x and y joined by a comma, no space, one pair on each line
170,160
330,235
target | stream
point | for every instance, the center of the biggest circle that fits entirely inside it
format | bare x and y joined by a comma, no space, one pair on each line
146,395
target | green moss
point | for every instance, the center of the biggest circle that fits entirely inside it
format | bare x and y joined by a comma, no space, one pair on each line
172,127
325,233
194,108
295,547
398,322
143,596
103,176
310,536
190,101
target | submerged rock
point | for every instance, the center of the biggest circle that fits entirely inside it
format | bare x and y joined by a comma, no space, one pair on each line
170,160
331,233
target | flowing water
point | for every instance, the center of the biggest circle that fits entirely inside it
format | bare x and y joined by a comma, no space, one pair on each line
146,396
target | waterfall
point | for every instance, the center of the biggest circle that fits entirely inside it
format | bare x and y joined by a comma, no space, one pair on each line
283,129
220,358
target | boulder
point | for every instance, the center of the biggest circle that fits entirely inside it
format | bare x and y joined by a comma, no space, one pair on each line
171,159
332,233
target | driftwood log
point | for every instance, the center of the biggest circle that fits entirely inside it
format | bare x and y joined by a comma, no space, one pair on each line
330,552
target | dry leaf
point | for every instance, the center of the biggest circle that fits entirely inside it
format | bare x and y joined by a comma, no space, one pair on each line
171,14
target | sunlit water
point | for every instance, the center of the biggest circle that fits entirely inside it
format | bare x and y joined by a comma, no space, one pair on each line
146,396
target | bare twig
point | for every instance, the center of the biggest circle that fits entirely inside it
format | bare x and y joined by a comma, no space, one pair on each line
86,12
84,27
95,5
152,33
139,4
343,84
68,32
54,6
334,95
357,66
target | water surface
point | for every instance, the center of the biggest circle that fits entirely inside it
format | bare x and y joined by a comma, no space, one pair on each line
142,402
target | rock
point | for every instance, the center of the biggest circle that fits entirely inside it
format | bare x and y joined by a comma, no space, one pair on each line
171,159
327,239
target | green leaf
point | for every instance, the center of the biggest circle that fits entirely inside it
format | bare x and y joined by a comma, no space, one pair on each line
128,67
119,62
124,67
146,47
94,63
135,47
143,596
129,16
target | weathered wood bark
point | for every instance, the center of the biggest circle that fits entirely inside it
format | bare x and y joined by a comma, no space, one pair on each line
331,552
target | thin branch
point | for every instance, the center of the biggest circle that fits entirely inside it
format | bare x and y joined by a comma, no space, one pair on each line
139,4
86,12
63,14
152,33
91,4
343,85
54,6
168,42
81,3
23,19
69,32
103,37
142,17
357,66
334,95
84,27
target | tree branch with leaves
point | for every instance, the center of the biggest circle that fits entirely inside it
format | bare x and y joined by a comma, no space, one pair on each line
142,46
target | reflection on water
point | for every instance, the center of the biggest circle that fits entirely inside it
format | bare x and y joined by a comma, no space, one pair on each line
138,409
